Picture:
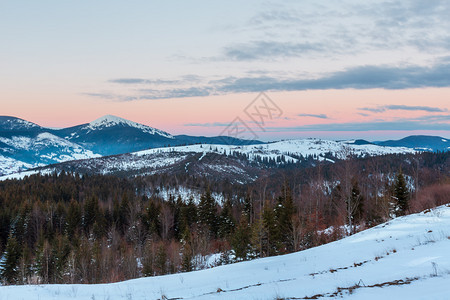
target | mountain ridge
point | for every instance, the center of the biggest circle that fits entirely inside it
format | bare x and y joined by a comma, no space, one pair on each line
25,145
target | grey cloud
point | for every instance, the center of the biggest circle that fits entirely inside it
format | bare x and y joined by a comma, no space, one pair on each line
100,95
269,50
403,107
366,126
434,118
182,80
128,80
362,77
149,94
358,27
215,124
320,116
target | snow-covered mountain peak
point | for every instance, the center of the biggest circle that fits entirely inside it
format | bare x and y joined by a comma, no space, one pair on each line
13,123
110,121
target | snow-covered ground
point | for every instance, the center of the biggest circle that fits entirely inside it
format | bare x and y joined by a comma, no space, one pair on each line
153,161
303,147
10,165
44,149
406,258
22,174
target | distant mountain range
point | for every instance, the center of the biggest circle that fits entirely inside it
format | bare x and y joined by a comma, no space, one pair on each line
25,145
237,164
420,143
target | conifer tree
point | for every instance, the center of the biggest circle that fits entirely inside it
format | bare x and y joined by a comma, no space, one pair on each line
207,213
124,213
73,219
10,264
269,239
240,241
91,211
151,218
283,216
4,228
401,193
188,215
226,225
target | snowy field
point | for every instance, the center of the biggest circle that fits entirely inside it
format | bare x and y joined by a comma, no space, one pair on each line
406,258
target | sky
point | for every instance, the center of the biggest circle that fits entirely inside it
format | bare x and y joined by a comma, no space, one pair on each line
347,69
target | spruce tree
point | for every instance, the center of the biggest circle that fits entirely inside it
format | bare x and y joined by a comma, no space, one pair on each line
151,218
91,211
269,235
207,213
401,193
188,215
226,220
73,219
240,241
283,216
9,268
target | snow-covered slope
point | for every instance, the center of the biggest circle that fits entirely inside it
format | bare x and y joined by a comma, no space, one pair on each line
239,164
42,149
24,145
304,147
406,258
9,165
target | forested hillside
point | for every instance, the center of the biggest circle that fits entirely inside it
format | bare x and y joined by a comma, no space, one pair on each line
67,228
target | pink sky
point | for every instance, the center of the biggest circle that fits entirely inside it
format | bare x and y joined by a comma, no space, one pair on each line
53,109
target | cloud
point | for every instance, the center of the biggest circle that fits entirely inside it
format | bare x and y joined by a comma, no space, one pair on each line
320,116
362,77
269,50
153,94
406,125
356,27
128,80
143,81
384,108
101,95
434,118
215,124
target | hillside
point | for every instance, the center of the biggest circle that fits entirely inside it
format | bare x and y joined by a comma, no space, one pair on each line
406,258
236,163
